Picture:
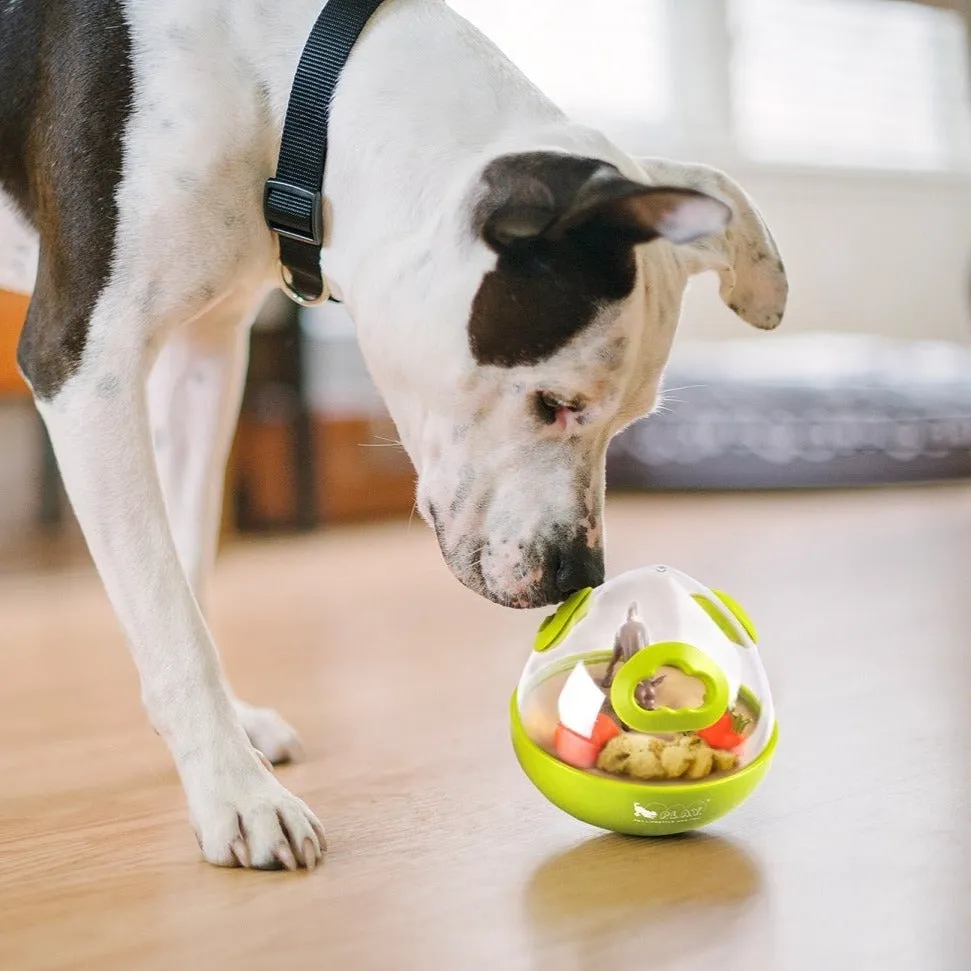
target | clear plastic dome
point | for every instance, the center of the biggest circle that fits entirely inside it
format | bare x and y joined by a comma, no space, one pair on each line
650,678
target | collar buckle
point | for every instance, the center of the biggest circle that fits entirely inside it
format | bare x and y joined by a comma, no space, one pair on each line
293,201
294,212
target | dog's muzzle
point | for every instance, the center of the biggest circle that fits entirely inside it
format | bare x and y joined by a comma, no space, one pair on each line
567,569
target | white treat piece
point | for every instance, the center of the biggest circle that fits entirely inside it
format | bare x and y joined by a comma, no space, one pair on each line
580,702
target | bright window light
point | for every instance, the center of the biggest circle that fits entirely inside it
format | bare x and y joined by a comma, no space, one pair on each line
599,69
849,82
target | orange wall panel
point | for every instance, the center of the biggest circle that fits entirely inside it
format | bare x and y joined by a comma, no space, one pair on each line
13,309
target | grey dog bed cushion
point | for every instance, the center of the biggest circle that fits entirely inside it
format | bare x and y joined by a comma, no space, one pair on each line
804,410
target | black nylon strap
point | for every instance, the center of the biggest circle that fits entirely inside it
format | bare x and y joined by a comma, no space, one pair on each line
293,200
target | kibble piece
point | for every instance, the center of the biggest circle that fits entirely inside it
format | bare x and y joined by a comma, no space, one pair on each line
652,743
675,760
724,761
644,764
615,755
703,760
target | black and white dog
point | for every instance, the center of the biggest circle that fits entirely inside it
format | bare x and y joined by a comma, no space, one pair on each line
515,280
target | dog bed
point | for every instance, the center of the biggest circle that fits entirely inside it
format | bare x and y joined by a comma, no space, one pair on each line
800,411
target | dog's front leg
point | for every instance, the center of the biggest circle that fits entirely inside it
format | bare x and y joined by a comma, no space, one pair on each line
97,418
194,396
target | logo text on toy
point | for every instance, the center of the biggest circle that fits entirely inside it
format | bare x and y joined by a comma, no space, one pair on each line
656,813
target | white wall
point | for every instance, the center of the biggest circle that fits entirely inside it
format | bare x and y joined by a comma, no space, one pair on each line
865,252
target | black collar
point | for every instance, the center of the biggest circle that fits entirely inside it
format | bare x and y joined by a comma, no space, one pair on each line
293,204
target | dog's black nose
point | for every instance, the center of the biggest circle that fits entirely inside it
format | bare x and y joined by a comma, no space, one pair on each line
575,567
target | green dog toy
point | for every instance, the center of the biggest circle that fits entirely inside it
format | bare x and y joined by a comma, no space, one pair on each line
644,707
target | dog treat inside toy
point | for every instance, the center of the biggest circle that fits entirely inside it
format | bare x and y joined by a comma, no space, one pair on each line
570,715
644,707
649,758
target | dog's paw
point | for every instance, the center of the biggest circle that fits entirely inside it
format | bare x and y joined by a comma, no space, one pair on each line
253,821
269,733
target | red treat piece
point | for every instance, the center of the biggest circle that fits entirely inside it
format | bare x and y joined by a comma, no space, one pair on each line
604,730
722,734
574,749
582,752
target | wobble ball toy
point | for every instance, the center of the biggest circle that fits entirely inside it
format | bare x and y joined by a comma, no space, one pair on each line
644,707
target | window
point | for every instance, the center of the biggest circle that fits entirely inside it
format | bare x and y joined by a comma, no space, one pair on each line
607,70
848,83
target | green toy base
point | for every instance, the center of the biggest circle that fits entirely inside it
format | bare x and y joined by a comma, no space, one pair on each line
636,808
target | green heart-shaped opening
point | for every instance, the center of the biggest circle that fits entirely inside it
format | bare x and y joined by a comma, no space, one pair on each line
645,664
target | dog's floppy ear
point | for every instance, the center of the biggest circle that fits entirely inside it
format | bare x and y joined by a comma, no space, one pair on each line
551,196
752,277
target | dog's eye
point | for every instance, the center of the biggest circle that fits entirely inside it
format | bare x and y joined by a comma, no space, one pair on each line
552,409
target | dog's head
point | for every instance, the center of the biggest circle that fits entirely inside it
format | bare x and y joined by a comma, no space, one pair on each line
527,327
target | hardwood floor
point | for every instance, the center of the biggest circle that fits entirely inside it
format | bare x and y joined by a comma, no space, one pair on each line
855,853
